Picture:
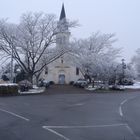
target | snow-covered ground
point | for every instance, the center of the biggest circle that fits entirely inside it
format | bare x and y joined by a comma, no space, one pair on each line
90,88
135,86
35,90
8,84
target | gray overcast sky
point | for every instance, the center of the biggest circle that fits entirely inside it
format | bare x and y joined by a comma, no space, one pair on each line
108,16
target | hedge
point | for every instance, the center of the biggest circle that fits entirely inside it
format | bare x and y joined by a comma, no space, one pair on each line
9,89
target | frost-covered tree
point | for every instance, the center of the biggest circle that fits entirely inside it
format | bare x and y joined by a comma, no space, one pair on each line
95,56
5,72
124,73
30,41
136,63
129,74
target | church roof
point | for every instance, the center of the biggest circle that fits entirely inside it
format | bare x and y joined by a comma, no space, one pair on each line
62,15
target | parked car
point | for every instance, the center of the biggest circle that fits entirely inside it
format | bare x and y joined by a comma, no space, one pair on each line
44,83
52,82
116,87
81,83
128,82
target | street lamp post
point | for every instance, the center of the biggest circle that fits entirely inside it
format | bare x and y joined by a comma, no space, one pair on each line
115,71
123,70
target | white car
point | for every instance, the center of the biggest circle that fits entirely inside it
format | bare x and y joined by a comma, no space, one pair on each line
81,83
44,83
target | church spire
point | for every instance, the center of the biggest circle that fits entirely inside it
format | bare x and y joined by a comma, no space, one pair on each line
62,15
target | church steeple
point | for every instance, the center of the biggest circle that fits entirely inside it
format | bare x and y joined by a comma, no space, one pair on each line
62,39
63,14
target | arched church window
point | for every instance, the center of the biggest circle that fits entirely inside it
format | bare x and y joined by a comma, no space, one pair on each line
77,71
46,70
62,60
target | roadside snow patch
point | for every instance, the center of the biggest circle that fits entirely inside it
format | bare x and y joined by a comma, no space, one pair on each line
32,91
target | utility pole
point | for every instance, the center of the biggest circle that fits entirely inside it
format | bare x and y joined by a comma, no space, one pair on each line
12,53
123,72
11,75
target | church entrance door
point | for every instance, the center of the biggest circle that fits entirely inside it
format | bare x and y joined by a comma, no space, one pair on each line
62,79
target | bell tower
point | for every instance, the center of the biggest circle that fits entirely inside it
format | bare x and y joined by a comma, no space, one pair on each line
62,39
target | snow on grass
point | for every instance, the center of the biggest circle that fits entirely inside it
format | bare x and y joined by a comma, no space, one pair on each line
8,84
33,91
135,86
90,88
35,87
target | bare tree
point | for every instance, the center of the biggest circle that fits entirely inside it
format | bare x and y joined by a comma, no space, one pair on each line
29,42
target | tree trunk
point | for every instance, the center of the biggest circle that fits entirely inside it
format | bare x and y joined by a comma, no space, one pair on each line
106,84
93,83
37,79
30,77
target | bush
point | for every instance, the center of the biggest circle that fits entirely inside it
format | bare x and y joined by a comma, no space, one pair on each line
25,85
8,89
52,82
5,78
71,82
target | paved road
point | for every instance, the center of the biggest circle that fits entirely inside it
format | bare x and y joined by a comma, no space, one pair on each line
66,113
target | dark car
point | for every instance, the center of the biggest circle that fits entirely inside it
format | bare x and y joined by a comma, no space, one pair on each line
44,83
116,87
81,83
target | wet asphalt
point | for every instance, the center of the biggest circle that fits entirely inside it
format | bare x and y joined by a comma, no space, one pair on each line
70,113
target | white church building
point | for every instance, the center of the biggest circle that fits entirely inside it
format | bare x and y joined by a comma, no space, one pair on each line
61,71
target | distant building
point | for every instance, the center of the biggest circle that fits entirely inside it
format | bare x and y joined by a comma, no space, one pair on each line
61,71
